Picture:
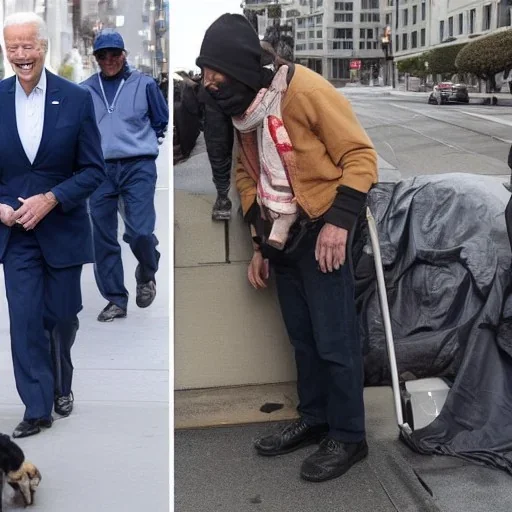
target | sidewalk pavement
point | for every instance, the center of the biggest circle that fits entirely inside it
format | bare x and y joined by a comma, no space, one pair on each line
112,453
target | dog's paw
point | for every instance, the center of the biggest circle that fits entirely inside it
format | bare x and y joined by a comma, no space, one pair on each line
25,480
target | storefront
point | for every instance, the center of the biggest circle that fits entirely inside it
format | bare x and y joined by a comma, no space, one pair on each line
365,71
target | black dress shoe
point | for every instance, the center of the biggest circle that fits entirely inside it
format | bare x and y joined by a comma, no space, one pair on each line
146,293
110,312
31,427
294,436
63,405
332,459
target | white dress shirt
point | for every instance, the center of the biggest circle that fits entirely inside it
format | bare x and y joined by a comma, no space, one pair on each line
30,116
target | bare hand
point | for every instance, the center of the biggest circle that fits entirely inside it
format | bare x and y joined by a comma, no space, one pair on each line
331,247
7,215
33,210
258,271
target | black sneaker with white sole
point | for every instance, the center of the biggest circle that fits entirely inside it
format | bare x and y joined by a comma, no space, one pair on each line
63,405
221,209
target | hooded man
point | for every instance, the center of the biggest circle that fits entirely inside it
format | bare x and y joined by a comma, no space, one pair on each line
304,166
218,128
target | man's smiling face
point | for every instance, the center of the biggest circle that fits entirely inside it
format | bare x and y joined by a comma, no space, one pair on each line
26,53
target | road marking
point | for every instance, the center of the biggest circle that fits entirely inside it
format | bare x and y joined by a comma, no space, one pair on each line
494,137
489,118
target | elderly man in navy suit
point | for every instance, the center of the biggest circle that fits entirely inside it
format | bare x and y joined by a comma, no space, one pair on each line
51,161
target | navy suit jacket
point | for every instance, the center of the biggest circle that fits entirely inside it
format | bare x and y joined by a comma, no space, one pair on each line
69,163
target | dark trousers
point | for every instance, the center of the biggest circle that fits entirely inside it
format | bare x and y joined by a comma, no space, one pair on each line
43,306
320,317
130,189
218,137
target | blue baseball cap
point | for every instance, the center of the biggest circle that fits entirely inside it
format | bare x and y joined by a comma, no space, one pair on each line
108,39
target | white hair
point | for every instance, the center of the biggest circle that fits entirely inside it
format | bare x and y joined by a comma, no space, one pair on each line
28,18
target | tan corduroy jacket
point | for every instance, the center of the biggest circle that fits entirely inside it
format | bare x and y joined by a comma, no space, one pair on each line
331,148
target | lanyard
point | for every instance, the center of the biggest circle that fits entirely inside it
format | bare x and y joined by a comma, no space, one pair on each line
110,108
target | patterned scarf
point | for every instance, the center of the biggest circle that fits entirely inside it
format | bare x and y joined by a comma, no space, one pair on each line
267,155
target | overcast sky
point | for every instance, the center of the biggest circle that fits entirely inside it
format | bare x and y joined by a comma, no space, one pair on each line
189,20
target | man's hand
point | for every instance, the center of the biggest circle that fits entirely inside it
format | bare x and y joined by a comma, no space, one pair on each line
258,271
330,247
7,215
34,209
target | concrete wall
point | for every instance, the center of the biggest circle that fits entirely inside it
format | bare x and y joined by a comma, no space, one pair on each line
226,333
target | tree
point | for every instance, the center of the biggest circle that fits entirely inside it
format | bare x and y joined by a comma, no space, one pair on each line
87,30
487,56
415,66
252,17
76,14
274,11
441,61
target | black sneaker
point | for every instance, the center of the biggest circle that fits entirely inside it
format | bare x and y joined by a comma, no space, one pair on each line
63,405
332,459
110,312
221,209
146,293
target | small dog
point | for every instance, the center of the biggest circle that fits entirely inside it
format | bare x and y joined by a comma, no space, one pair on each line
21,475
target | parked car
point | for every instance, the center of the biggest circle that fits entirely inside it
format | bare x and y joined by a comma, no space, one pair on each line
448,92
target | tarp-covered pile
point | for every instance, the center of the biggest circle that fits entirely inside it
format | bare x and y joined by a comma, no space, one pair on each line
447,260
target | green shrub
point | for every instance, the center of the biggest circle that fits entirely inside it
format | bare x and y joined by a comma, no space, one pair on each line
274,11
486,56
415,66
66,71
441,61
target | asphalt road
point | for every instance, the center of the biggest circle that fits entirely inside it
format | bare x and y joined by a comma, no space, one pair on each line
418,138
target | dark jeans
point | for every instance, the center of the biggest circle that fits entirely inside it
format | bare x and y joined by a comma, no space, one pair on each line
130,189
320,317
218,136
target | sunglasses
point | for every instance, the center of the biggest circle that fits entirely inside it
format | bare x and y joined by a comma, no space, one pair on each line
103,54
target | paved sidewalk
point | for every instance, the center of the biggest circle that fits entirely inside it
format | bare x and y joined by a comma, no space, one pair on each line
112,453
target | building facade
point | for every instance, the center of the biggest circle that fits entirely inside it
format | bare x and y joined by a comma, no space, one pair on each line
337,33
331,37
154,58
330,34
419,25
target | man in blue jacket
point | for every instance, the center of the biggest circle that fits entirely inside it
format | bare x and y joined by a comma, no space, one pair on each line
50,163
132,117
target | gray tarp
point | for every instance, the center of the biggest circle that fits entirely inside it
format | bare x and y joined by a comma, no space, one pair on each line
447,259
